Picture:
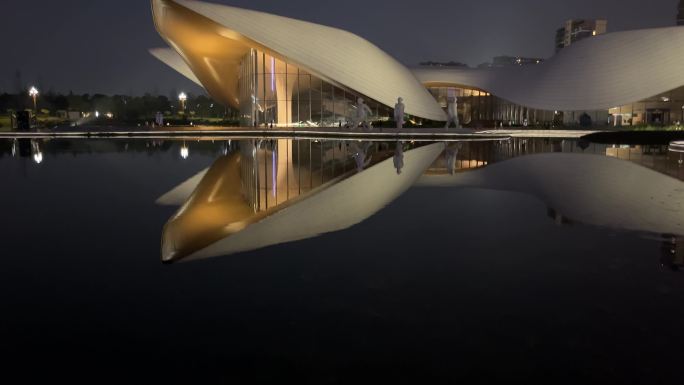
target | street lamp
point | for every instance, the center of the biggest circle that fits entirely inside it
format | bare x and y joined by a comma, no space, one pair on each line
33,92
182,97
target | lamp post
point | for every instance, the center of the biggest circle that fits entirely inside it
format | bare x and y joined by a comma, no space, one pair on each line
182,97
33,92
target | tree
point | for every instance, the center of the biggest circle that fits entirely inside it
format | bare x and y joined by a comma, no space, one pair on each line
61,102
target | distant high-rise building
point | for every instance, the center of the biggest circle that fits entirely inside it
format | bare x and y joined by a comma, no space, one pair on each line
680,14
576,30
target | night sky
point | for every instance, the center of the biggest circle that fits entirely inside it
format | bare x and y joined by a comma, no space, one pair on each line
101,46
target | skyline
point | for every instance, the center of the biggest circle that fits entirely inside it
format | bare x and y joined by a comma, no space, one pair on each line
103,47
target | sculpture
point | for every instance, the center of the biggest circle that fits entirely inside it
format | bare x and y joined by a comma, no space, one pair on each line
399,113
399,156
451,156
362,113
159,119
360,155
452,112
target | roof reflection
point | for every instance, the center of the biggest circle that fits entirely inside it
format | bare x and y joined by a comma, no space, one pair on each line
591,189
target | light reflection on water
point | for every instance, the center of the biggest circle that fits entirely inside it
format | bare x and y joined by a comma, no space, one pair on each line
262,192
470,154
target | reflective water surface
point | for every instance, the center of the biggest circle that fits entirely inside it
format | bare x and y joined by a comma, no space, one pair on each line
333,261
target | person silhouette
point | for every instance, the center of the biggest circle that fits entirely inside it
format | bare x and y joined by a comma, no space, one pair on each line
399,113
399,157
452,112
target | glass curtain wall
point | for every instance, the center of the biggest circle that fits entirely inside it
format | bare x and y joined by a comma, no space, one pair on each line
275,93
660,110
274,172
480,108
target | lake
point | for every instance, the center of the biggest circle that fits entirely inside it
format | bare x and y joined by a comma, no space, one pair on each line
337,261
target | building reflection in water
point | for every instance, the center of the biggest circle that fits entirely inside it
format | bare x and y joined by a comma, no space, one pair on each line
265,192
476,154
595,190
273,172
27,148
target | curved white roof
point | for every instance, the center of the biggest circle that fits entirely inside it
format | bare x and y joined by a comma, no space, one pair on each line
601,72
211,38
172,59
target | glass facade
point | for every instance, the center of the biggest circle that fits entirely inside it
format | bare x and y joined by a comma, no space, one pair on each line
477,108
273,92
274,172
663,109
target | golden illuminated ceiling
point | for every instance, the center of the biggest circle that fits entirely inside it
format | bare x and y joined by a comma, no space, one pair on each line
210,51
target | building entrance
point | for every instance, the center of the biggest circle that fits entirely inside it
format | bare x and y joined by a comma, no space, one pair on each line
657,116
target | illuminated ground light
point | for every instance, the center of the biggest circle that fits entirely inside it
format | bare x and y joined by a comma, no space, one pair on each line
677,146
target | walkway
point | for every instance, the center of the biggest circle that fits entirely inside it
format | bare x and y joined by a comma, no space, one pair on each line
207,132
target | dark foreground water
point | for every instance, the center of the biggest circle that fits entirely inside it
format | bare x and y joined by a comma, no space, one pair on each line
441,286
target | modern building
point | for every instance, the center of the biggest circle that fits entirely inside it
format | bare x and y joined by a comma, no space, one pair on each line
288,72
576,29
284,71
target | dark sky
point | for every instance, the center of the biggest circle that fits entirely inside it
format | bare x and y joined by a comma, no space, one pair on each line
101,46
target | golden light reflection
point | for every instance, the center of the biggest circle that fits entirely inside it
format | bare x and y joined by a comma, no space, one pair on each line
246,185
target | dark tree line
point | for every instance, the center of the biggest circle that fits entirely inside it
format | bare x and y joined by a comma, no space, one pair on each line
124,108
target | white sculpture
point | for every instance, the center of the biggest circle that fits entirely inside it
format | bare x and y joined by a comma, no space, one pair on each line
361,155
362,113
399,113
399,157
452,112
159,119
451,157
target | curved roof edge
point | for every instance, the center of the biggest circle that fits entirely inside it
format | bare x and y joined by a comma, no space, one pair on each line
601,72
172,59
